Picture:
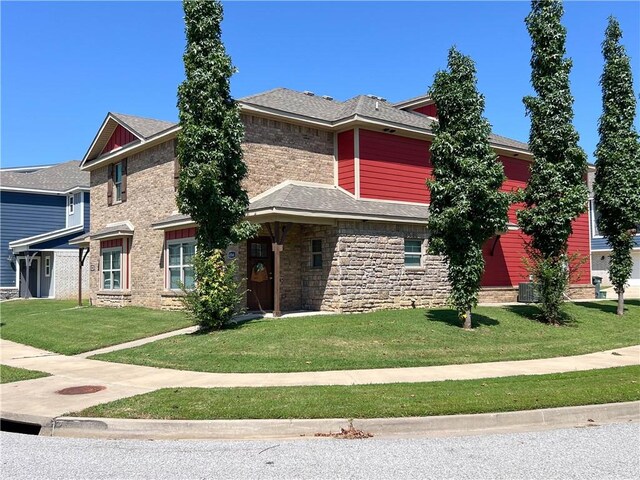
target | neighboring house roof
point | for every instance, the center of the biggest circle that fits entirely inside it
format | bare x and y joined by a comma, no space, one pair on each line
25,244
55,179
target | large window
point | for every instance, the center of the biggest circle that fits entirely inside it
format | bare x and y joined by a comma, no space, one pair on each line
412,253
117,181
180,263
112,268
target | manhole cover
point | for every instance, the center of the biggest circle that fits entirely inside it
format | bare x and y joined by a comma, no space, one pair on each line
81,390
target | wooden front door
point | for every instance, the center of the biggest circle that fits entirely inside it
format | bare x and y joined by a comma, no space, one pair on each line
259,274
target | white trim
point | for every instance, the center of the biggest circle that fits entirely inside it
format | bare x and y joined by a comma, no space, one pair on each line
415,101
167,276
44,192
33,168
174,224
332,215
121,270
23,244
356,162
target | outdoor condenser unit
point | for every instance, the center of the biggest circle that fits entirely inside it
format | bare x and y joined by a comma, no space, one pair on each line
527,293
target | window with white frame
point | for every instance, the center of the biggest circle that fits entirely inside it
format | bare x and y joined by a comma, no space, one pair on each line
71,203
47,266
112,268
412,252
180,263
117,181
316,253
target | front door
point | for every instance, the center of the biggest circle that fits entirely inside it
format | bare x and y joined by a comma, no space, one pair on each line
29,285
259,274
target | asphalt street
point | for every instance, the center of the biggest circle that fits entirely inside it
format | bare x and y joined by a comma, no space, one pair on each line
599,452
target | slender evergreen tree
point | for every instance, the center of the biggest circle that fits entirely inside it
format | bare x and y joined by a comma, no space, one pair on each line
211,165
556,193
467,206
617,181
209,143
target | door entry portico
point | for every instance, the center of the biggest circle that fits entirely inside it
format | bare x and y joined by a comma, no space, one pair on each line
29,276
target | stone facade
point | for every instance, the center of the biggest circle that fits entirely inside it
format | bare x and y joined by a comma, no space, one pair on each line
8,293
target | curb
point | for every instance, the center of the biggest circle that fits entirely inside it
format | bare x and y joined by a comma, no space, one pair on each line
447,425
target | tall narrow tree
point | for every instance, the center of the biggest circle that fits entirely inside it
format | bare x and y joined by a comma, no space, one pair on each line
209,143
211,165
467,206
617,181
556,193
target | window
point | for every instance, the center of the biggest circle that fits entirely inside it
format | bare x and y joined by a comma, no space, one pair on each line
316,253
412,253
117,181
47,266
70,204
111,268
180,263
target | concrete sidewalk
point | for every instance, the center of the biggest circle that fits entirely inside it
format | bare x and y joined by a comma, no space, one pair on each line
38,398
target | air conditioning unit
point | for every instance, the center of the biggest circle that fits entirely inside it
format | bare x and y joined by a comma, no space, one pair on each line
527,293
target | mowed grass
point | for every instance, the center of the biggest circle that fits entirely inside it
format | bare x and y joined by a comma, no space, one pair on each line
12,374
60,326
399,338
619,384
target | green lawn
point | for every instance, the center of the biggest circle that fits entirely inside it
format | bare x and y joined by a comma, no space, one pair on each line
399,338
59,326
620,384
12,374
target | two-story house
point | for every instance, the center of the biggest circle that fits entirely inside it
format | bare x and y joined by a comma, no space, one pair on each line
339,189
601,250
42,208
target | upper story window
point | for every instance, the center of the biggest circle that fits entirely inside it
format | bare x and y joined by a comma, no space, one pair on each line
180,263
316,253
71,204
412,252
112,268
117,183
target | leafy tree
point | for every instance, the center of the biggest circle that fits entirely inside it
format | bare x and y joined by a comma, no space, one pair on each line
209,143
617,182
467,206
210,155
556,193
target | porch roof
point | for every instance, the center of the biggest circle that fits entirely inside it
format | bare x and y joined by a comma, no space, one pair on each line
308,200
24,244
122,229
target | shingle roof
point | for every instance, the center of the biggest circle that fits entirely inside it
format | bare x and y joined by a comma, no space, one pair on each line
120,229
332,111
327,201
58,178
144,127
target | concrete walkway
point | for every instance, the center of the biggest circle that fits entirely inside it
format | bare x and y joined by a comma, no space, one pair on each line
38,398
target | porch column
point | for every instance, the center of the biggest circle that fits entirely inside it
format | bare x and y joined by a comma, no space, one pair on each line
27,260
278,234
81,259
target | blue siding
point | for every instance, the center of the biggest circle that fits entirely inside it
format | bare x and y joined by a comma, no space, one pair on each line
601,243
25,215
87,223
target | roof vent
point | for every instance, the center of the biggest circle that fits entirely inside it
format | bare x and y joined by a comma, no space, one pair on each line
327,97
310,93
376,97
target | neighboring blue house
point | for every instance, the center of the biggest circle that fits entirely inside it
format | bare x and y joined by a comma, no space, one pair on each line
41,209
600,249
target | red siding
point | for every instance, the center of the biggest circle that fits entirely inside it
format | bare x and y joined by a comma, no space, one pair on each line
346,172
117,242
178,234
121,136
506,267
393,167
429,110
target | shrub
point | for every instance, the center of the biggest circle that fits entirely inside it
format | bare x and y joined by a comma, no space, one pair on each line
216,295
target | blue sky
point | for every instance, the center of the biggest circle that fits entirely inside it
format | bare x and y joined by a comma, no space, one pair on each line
66,64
